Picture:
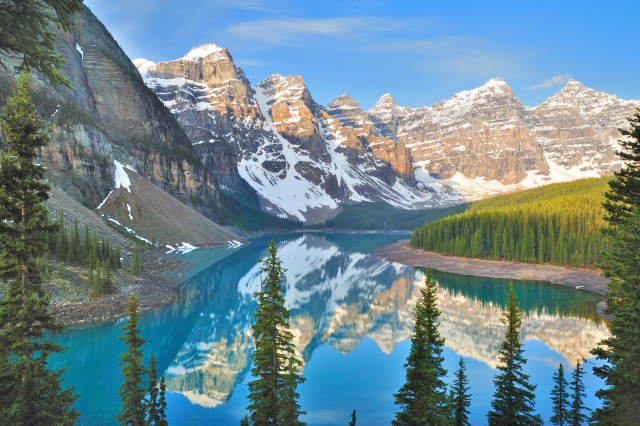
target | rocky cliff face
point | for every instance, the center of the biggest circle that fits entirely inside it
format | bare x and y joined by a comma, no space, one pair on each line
110,115
578,128
302,162
484,141
478,133
348,113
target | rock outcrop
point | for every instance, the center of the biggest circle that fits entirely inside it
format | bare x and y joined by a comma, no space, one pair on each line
110,115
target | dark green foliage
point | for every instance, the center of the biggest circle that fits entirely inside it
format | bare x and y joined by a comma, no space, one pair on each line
135,268
371,216
353,419
272,395
26,30
461,398
153,411
29,392
556,224
89,254
559,398
132,391
162,404
513,399
577,414
244,421
621,265
423,397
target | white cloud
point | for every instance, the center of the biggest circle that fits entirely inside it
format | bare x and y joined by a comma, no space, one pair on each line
286,31
464,55
558,80
250,63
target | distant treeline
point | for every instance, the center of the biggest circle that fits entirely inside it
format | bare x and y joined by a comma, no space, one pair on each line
556,224
378,216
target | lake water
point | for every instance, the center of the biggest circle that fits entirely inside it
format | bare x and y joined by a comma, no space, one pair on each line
352,320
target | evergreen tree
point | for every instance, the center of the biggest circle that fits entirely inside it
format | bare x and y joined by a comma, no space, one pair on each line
26,30
132,391
576,415
353,419
162,404
97,280
29,392
153,412
423,397
135,268
513,399
559,398
272,395
621,265
461,397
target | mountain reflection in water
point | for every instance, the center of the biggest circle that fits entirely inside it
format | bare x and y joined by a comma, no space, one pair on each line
345,303
339,297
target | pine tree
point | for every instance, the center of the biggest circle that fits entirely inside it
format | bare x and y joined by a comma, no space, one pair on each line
423,397
26,31
162,404
513,399
353,419
29,392
621,351
461,397
153,412
559,398
135,268
132,392
272,395
97,281
244,421
576,415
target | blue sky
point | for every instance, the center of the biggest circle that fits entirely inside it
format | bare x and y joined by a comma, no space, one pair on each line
421,52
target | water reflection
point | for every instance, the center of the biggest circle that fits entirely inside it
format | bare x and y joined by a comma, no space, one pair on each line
339,297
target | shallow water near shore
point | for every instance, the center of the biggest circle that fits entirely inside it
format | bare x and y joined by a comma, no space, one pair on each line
352,320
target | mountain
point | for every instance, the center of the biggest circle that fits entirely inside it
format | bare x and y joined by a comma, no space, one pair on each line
484,141
304,160
273,137
110,115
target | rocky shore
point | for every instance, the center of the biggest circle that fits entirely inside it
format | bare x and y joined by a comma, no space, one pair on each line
584,279
152,290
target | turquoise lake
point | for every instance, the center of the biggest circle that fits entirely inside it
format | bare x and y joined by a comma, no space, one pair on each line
351,319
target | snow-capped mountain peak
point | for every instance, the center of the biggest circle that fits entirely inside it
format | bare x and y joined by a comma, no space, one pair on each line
200,52
143,65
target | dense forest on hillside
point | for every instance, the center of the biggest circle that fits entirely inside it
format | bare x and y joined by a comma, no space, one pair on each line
377,216
557,224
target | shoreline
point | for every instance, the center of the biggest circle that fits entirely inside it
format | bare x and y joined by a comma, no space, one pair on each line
582,279
152,288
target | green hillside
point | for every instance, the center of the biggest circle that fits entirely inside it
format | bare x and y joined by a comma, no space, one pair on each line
556,224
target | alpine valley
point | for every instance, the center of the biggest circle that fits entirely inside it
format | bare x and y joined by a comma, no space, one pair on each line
198,130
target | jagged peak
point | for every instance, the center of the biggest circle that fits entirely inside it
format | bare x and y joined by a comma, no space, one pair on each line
342,101
143,65
386,101
201,52
279,80
498,85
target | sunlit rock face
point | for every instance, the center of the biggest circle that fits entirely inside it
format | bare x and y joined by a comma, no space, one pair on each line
108,115
275,138
340,297
484,141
